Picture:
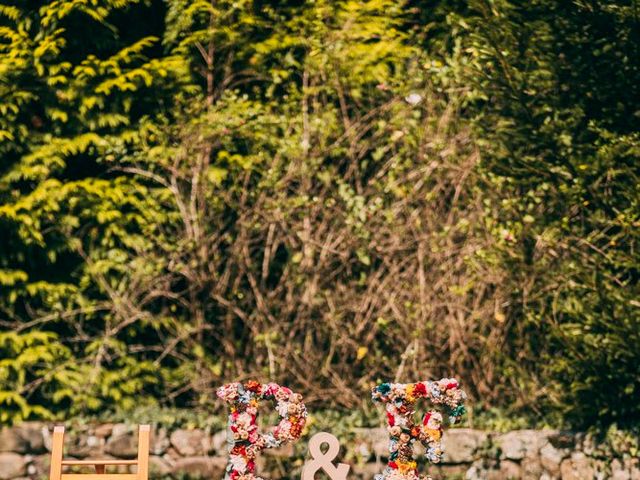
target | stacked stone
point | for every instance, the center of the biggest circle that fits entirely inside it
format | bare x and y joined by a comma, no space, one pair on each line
522,454
25,449
197,453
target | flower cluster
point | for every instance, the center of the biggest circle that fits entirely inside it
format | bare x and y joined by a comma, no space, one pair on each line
400,399
247,440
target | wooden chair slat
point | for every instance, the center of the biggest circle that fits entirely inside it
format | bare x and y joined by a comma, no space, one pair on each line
57,445
144,431
57,462
111,461
99,476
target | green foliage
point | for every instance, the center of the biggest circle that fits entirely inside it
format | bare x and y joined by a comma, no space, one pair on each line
327,194
21,355
553,88
72,86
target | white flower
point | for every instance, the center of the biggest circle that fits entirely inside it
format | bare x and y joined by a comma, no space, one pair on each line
283,408
244,419
238,462
401,421
435,420
413,99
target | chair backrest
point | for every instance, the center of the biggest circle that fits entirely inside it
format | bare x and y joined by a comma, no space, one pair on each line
57,462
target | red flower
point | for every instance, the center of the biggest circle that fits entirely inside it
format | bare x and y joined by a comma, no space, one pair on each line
426,418
420,388
451,385
391,419
393,465
239,450
251,466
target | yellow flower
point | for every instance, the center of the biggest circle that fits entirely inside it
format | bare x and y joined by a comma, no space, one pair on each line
433,434
406,467
410,390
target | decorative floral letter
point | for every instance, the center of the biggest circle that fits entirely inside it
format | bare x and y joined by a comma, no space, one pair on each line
247,440
400,400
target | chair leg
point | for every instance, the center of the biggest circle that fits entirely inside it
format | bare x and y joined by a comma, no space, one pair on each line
144,432
57,446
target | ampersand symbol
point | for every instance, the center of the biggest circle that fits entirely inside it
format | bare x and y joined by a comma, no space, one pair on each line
324,460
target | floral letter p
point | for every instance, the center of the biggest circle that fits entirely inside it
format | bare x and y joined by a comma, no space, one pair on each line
247,440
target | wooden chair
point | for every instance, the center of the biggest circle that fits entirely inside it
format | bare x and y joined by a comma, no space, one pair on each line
57,462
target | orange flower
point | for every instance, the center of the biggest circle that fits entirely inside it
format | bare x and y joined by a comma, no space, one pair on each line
253,386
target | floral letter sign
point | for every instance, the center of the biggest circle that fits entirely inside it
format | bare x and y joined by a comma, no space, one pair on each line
247,440
400,399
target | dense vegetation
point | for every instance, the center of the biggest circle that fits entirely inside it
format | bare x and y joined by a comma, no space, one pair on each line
322,193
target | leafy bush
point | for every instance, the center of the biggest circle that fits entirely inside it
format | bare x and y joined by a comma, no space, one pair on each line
326,194
553,89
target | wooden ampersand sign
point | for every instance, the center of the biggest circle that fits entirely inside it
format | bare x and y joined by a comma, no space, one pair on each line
324,461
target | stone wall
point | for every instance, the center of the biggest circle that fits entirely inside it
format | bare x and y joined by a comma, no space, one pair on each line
470,454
